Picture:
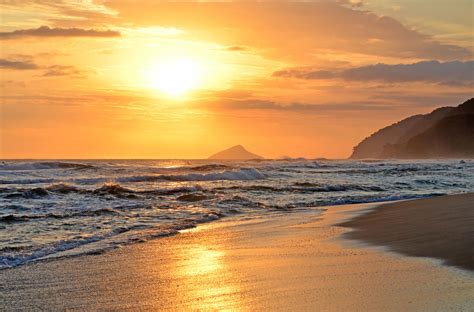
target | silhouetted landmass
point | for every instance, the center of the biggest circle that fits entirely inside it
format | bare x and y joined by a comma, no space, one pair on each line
452,136
446,132
237,152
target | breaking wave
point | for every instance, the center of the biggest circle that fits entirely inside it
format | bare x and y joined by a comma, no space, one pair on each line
82,246
307,187
209,167
12,218
106,189
27,181
44,165
233,175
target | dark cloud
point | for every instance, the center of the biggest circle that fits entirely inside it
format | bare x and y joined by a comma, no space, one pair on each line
45,31
447,73
17,64
62,70
430,71
236,48
431,99
305,74
25,62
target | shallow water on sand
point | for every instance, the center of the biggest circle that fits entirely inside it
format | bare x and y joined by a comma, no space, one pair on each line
51,207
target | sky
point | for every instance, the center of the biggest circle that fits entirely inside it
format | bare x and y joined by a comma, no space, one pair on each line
150,79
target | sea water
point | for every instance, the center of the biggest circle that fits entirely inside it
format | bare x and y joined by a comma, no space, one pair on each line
51,209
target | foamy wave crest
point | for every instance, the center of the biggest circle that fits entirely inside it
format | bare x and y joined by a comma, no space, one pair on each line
116,190
14,218
208,167
306,187
241,174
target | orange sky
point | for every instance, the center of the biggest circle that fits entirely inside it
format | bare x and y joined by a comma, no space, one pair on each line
147,79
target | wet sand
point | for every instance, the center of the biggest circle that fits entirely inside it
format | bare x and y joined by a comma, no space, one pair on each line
285,262
440,227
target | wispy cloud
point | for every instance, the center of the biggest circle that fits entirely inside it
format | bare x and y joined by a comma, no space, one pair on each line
45,31
303,73
236,48
352,3
293,30
61,13
256,104
63,70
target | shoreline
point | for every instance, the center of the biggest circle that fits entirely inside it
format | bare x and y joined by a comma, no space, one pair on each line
288,261
93,249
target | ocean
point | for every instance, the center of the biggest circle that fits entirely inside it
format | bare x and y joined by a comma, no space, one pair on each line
51,209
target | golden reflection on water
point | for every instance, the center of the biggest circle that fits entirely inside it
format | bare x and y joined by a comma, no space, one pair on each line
208,282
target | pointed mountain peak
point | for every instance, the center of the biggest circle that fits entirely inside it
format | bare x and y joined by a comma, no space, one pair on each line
237,148
237,152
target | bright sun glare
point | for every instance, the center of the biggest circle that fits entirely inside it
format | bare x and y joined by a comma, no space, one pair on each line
176,77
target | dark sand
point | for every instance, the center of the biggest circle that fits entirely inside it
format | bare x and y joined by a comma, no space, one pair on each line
287,262
440,227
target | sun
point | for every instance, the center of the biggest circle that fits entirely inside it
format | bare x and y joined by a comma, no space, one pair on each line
175,77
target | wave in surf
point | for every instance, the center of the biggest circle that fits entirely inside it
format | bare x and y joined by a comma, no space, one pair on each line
234,175
13,218
307,187
106,189
45,165
242,174
115,238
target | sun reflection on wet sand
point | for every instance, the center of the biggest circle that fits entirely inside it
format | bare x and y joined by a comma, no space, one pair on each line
286,263
202,261
207,281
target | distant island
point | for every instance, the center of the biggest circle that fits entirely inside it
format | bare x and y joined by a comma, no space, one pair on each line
237,152
447,132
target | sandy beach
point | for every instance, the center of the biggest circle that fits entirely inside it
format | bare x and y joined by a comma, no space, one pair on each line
291,261
440,227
